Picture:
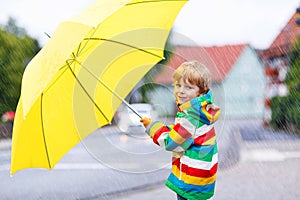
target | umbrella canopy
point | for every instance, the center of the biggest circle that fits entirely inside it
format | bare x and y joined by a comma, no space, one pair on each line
77,81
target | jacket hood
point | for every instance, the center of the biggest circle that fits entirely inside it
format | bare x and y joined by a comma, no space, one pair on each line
202,106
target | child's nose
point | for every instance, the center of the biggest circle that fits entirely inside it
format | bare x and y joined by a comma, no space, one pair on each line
181,90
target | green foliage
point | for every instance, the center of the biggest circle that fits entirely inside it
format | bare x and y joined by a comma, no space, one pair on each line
286,113
278,119
293,77
16,49
286,110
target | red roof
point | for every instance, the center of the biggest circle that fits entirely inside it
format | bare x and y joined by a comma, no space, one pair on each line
281,44
288,34
218,59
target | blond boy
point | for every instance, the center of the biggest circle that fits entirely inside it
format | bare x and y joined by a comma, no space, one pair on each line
192,137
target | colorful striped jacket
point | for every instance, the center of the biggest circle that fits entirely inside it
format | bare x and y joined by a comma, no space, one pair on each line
192,140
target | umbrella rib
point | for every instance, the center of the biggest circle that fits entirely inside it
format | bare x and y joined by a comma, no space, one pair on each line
48,88
128,45
86,92
43,131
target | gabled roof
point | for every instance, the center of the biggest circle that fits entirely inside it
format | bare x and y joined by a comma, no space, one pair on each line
218,59
288,34
282,43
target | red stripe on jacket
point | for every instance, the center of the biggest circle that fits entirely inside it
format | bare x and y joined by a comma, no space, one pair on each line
158,133
201,173
182,131
205,137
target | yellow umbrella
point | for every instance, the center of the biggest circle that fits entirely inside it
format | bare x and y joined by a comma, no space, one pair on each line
77,81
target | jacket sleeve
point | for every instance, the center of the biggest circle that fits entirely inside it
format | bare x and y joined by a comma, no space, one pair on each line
173,137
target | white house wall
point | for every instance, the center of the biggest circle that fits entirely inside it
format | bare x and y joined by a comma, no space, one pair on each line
244,87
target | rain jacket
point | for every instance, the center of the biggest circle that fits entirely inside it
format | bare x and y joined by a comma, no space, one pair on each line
192,140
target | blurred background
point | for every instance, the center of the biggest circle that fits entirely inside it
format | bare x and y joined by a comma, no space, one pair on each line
252,49
251,78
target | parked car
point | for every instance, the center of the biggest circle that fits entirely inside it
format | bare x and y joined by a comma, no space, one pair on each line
129,122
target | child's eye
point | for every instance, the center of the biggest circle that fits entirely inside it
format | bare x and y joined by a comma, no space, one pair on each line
178,85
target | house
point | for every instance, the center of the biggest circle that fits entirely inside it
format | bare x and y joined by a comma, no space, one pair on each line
276,62
238,79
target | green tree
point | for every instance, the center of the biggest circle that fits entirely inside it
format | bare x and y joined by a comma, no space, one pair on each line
12,28
16,49
286,110
293,77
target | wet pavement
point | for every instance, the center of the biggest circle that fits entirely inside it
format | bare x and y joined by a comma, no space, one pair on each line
255,163
248,180
268,168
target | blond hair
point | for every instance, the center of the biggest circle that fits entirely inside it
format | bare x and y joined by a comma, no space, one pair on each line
195,73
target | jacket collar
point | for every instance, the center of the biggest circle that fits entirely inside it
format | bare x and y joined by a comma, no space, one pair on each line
198,101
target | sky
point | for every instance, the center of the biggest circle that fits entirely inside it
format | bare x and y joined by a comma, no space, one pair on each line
207,23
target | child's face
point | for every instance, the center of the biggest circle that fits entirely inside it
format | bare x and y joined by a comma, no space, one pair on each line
185,91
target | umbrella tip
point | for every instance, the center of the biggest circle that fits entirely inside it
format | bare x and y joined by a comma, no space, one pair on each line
47,35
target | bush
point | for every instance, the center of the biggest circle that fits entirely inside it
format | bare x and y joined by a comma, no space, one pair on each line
286,112
278,115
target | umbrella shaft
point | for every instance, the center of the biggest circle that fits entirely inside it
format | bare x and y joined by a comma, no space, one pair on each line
119,97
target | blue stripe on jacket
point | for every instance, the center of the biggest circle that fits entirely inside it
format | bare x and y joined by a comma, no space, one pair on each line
171,144
203,149
189,187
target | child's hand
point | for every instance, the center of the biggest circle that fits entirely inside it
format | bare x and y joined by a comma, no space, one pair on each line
146,121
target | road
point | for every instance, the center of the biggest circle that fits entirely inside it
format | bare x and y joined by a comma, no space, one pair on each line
264,172
102,164
111,165
268,168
